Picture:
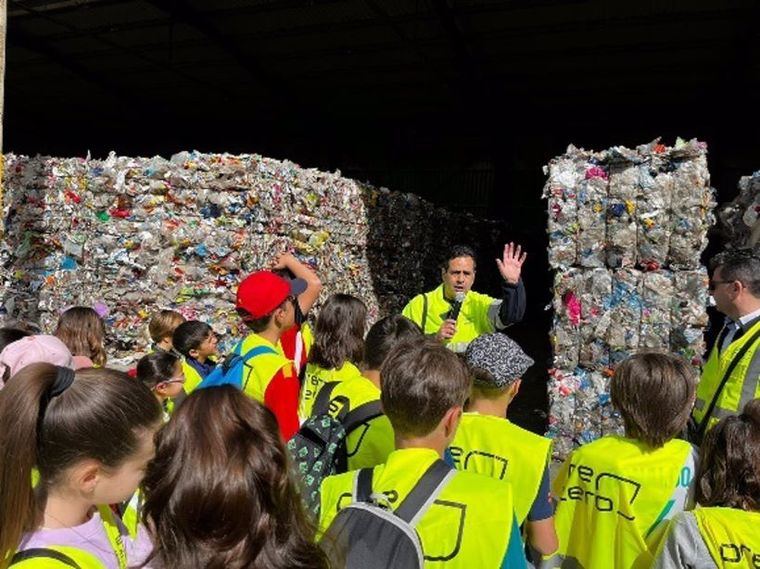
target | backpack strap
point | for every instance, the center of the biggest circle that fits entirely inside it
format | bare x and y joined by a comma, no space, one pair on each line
250,354
322,401
257,351
729,370
362,414
363,485
425,492
43,553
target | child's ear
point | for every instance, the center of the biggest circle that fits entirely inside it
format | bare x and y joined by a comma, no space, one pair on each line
194,353
515,387
160,389
86,475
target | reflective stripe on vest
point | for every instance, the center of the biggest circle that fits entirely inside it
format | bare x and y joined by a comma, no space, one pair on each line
468,526
742,386
315,378
497,448
192,377
732,536
614,496
369,444
475,317
258,372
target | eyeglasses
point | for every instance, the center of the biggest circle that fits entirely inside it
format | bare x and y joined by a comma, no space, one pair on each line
180,379
712,284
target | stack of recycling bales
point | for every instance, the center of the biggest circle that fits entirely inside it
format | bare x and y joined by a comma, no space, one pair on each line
133,235
740,219
626,230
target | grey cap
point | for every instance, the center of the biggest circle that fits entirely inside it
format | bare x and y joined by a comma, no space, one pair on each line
500,356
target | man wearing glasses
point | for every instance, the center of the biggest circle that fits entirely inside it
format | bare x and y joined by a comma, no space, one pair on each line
730,375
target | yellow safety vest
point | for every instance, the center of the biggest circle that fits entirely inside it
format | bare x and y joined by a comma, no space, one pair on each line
315,378
732,536
468,526
740,387
192,377
131,514
497,448
40,558
56,557
370,443
614,496
475,317
259,371
307,337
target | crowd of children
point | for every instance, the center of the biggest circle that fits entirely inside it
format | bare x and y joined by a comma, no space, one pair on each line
348,447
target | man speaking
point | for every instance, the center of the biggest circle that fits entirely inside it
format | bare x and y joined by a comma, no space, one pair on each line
455,314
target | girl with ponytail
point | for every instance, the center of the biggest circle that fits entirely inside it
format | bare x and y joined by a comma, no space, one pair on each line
71,443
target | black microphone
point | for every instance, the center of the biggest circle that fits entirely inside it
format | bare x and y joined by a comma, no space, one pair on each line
456,306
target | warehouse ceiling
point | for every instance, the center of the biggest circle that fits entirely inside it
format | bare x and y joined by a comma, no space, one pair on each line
401,92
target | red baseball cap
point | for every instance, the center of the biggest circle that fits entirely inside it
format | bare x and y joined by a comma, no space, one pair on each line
261,292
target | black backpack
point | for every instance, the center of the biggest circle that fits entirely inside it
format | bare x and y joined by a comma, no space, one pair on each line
368,534
318,449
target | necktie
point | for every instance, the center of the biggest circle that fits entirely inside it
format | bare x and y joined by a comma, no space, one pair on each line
727,327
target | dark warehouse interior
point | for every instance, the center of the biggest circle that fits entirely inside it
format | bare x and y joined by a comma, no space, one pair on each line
459,101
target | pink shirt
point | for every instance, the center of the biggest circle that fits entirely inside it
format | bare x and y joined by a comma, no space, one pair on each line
91,537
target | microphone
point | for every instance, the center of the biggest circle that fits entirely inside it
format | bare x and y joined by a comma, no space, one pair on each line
456,306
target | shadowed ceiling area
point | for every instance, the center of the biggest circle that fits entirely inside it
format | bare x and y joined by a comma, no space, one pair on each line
459,101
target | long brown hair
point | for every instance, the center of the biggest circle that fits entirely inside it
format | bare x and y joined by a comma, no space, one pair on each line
100,416
339,332
729,473
84,333
219,493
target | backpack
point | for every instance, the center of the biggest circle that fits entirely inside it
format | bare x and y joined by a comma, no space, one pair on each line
368,534
230,371
318,449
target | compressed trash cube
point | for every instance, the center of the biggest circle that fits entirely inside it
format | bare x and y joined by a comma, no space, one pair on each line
136,235
739,219
626,229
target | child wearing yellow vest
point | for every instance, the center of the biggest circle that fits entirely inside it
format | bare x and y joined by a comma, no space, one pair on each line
161,372
724,530
471,522
371,443
338,347
296,342
617,494
488,443
266,303
89,436
196,342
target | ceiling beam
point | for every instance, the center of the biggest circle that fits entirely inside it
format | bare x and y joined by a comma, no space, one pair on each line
181,11
18,37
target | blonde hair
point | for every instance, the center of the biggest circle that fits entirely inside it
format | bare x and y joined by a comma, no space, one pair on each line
163,324
84,333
